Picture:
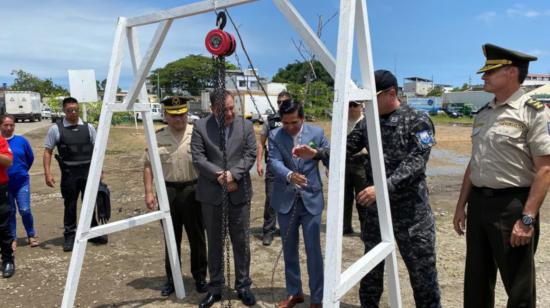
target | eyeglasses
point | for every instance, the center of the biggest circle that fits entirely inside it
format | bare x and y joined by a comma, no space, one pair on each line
71,110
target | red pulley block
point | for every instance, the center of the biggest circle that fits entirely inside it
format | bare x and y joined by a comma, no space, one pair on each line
219,42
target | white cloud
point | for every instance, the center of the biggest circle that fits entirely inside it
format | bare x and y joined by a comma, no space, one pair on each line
539,52
520,12
487,17
53,36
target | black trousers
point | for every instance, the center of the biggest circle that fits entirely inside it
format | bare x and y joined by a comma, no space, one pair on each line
415,238
355,181
491,218
239,215
5,235
73,183
186,212
270,217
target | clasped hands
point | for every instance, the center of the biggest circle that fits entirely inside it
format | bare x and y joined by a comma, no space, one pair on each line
231,182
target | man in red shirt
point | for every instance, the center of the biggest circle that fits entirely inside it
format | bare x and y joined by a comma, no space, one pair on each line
6,158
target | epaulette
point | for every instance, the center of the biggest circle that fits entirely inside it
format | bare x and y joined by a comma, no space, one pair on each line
533,103
160,129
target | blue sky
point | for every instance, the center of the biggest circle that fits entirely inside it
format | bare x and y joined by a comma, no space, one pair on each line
428,38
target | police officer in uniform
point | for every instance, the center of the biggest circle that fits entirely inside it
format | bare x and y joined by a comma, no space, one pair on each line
407,138
180,177
75,144
504,184
270,217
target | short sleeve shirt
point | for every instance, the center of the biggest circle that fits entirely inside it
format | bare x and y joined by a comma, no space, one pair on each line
505,138
175,155
53,136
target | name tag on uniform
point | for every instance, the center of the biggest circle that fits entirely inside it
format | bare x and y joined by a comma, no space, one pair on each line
425,137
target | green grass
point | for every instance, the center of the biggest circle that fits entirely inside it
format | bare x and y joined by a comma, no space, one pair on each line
445,119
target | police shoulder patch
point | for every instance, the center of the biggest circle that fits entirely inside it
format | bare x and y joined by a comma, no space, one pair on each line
425,137
535,104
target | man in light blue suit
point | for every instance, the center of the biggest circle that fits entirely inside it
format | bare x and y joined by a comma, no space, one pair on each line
298,199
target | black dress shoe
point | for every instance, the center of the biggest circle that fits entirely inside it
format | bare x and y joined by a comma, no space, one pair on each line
209,300
246,296
100,240
268,238
8,269
68,244
201,286
167,289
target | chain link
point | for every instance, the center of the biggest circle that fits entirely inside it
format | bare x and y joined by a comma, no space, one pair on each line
219,87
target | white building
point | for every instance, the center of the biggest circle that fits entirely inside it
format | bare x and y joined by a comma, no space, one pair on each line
414,86
536,80
243,81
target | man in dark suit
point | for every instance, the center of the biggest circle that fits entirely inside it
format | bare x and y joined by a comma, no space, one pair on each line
299,200
208,158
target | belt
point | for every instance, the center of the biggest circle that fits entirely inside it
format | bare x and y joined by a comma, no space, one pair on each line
492,192
180,185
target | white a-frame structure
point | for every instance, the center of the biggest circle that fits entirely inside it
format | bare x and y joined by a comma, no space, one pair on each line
353,20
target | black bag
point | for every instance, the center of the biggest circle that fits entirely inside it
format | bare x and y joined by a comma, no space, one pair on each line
103,203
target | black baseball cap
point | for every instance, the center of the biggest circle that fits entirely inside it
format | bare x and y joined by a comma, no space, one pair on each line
384,81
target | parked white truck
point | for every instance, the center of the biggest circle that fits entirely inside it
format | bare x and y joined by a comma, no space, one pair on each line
23,105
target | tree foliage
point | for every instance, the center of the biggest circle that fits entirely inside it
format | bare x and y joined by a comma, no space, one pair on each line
436,91
297,73
192,73
25,81
464,87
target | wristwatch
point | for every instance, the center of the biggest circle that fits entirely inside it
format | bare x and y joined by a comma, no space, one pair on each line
527,220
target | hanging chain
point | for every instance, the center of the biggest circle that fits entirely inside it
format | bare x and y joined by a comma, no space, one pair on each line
219,87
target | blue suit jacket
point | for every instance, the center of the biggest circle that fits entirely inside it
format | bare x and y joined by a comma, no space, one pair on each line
281,163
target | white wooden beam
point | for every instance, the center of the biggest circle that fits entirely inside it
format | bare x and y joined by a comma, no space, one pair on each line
88,202
376,150
147,62
184,11
351,276
335,206
309,36
124,224
135,57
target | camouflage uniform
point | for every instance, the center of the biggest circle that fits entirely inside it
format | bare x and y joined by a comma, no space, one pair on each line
407,138
355,174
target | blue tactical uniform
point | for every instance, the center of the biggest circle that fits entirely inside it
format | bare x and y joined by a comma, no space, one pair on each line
407,138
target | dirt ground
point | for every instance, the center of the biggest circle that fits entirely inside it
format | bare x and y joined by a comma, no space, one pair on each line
129,271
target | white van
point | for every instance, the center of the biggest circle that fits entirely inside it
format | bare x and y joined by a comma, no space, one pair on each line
157,113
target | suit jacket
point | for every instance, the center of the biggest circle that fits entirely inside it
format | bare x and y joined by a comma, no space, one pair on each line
281,163
208,159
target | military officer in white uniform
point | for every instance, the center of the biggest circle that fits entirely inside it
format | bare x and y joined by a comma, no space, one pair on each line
181,180
504,184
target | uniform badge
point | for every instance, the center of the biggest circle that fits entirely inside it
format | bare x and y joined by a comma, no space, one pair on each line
425,137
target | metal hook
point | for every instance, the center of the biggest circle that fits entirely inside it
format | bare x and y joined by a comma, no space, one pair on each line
221,20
